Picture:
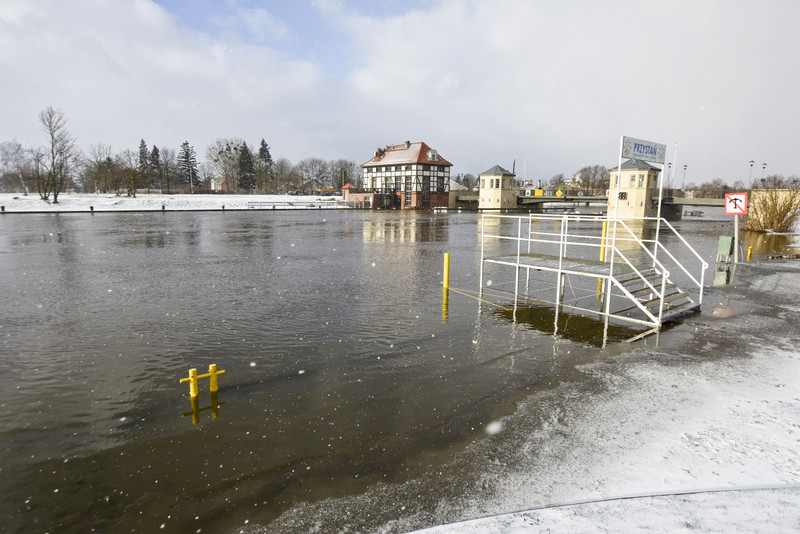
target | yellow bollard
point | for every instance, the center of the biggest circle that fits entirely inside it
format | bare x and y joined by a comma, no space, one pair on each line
213,386
446,275
192,383
749,252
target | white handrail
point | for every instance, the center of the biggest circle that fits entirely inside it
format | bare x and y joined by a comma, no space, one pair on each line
566,236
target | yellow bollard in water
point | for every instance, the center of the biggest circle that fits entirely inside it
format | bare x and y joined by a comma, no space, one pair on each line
212,377
213,384
446,275
192,383
749,252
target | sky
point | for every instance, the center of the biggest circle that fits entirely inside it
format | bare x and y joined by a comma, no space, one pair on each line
538,87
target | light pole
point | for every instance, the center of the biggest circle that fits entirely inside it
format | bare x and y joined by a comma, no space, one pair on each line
683,185
763,168
751,174
669,177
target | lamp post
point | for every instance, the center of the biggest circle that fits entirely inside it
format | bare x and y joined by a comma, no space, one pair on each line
751,174
669,176
763,168
683,184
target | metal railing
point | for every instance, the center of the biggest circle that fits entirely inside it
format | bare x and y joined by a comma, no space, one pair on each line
603,247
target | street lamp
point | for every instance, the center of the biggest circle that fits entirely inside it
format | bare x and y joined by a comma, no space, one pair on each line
751,174
683,185
763,168
669,170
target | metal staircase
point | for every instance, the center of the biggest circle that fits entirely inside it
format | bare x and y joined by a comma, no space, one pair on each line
627,271
674,305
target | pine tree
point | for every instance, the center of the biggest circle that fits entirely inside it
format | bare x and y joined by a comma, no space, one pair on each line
187,166
247,169
155,168
145,175
264,167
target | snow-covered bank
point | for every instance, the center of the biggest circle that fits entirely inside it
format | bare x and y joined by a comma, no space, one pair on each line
79,202
717,405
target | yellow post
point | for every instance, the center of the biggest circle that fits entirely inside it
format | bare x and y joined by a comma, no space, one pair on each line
446,276
192,383
603,242
749,252
212,377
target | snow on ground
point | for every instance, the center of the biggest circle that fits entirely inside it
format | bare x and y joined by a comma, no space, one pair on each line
72,202
700,435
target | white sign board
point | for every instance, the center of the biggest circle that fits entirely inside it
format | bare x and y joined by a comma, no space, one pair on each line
633,148
736,204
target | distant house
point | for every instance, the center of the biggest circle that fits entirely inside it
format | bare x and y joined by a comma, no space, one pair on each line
406,176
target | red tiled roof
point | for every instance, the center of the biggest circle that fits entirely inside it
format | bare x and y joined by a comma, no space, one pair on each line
404,154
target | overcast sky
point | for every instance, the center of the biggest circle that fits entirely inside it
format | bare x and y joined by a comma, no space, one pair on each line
486,82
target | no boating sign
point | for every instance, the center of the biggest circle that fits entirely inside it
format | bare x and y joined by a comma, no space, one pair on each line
736,204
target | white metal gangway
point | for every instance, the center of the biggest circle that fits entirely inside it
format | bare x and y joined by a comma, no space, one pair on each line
639,271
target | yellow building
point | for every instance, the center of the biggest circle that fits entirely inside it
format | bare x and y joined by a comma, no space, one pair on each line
638,190
497,189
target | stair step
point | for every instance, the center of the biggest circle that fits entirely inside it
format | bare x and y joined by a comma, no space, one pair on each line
648,274
669,289
678,311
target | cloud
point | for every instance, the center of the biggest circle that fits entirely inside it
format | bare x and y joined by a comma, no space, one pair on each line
485,83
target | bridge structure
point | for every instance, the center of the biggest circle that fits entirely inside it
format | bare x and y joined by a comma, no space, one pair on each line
566,201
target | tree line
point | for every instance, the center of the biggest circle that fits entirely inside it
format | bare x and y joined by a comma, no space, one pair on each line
231,166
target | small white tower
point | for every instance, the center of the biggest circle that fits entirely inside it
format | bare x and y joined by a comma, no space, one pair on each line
497,189
638,190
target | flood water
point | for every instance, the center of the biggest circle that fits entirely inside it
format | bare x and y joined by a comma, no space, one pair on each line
345,376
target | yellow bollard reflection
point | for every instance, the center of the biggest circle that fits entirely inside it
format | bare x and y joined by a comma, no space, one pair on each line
445,299
197,410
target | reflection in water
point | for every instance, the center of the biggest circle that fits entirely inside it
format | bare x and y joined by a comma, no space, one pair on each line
577,328
414,227
196,410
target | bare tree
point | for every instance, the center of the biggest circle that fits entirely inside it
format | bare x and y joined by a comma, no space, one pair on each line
593,179
53,163
223,156
314,173
285,175
774,205
169,167
16,164
344,171
557,180
714,189
133,176
97,169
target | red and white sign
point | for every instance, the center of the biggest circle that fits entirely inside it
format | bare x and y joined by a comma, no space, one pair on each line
736,204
